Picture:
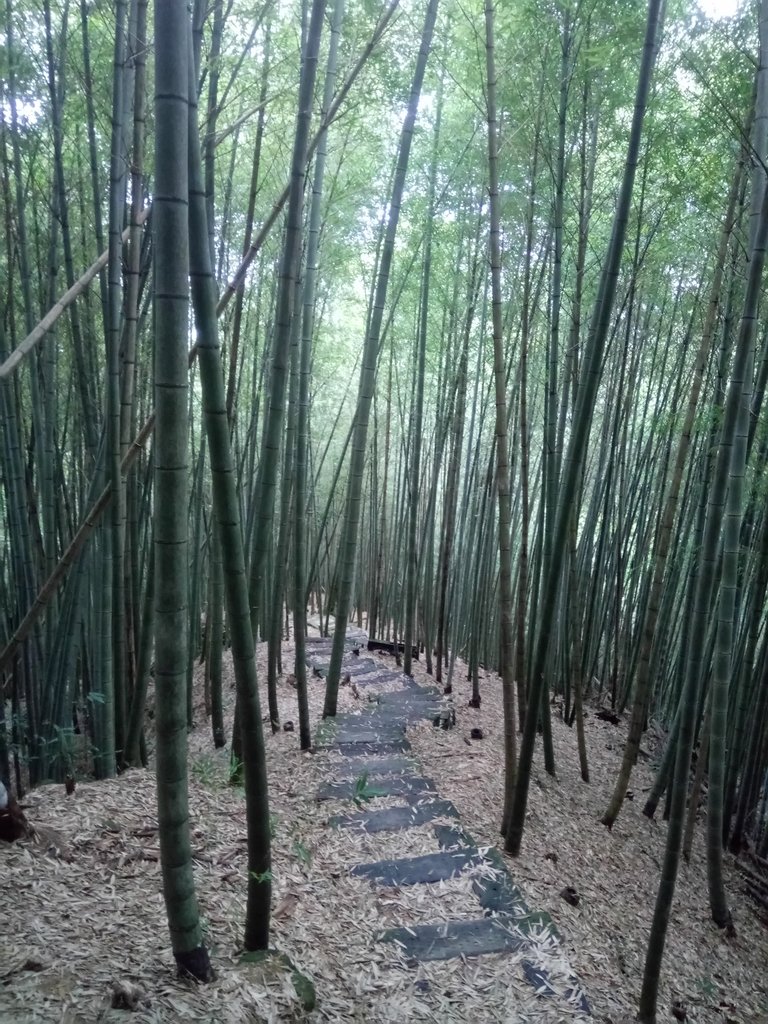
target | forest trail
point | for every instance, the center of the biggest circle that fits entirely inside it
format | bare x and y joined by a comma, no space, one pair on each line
83,908
374,746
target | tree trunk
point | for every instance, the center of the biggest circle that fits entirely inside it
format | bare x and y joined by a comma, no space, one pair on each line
582,421
348,543
171,473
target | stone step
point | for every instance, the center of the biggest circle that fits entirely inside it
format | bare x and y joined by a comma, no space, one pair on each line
405,705
395,785
353,767
500,895
542,982
360,667
379,677
453,938
357,748
363,671
431,867
392,819
390,647
355,666
345,729
372,685
374,733
496,892
316,644
355,637
451,836
405,713
410,695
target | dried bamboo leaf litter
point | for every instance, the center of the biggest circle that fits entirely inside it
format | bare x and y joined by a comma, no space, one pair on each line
616,873
83,913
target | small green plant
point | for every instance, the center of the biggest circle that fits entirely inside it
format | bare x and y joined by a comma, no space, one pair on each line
235,771
302,852
273,823
707,987
362,791
204,770
260,876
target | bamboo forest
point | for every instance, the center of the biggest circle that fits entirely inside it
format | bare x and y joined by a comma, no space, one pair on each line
384,511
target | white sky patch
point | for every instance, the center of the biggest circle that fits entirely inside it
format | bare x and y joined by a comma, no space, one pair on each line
717,9
28,112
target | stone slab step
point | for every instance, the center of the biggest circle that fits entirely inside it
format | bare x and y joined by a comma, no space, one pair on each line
357,729
392,819
500,895
384,674
363,747
375,733
373,681
451,836
406,713
405,703
360,667
496,892
543,984
355,637
390,647
409,695
394,785
454,938
360,670
355,766
317,641
431,867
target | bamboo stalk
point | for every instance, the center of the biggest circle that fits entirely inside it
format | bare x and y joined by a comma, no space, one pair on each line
37,334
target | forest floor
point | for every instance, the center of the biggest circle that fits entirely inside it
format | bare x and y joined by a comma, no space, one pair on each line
82,921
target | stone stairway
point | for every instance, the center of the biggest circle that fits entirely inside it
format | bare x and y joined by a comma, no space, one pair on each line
377,761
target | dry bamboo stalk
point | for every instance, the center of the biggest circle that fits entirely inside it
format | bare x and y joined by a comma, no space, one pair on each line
37,334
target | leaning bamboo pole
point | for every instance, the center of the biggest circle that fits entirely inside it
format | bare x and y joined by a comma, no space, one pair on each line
89,523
